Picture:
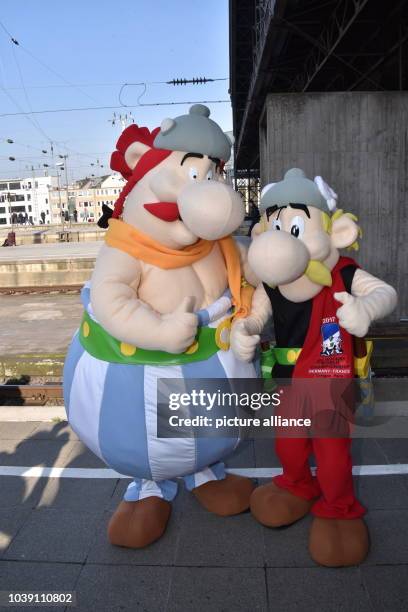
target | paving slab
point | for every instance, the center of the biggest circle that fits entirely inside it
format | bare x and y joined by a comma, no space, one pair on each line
387,587
23,576
288,546
265,455
218,589
396,450
118,493
388,536
243,457
10,525
80,456
49,430
77,493
54,535
122,588
367,452
208,540
18,492
16,430
317,588
36,452
382,492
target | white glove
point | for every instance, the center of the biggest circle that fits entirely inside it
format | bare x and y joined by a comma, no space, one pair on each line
178,329
353,315
244,338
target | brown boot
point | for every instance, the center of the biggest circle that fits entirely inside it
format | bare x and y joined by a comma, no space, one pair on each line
338,542
276,507
138,524
225,497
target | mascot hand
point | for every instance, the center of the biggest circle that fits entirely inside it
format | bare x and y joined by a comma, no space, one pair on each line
244,338
178,328
353,315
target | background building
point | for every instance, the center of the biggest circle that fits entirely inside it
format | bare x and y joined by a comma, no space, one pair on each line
41,200
27,198
88,195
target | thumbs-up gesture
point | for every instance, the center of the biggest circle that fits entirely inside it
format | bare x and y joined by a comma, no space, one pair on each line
352,315
244,338
178,328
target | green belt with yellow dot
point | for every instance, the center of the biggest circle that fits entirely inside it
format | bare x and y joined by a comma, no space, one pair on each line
100,344
277,354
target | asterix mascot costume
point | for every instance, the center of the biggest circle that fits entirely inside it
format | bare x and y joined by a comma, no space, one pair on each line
320,302
167,283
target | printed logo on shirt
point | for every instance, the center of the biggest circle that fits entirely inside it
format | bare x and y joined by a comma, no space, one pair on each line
331,340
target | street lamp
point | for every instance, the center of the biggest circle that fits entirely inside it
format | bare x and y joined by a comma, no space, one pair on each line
62,166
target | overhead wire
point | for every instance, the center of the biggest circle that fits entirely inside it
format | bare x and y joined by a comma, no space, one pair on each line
40,129
25,114
114,107
197,81
44,154
88,85
42,63
29,114
31,120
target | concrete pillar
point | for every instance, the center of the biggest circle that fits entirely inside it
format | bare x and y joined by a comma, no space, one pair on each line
358,142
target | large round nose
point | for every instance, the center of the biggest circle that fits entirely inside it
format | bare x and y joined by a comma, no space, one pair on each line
210,209
278,258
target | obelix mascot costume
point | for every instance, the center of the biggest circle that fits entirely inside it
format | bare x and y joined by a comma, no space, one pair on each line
165,288
319,300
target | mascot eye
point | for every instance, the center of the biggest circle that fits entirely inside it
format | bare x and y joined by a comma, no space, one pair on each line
297,227
193,173
276,224
209,175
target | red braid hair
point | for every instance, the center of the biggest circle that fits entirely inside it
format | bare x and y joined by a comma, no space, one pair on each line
148,160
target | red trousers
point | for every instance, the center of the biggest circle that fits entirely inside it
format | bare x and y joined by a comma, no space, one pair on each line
333,483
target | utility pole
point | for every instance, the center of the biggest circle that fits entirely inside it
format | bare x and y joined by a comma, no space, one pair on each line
59,198
63,166
35,198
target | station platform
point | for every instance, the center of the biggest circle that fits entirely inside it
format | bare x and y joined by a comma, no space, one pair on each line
57,498
47,265
54,255
44,234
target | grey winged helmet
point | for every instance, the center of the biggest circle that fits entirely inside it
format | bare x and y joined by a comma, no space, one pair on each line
296,188
195,133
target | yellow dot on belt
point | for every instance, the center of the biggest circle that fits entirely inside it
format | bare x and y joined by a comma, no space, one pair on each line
127,349
292,356
192,349
222,334
85,329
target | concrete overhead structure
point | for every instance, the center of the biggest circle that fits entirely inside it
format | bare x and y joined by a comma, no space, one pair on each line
323,86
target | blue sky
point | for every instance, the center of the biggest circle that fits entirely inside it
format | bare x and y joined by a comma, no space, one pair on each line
99,45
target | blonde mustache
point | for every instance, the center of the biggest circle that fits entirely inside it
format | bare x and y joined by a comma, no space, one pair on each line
318,273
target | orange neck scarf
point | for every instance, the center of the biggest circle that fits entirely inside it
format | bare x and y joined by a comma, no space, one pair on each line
127,238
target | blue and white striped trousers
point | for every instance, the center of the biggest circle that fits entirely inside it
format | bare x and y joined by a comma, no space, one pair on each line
113,409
